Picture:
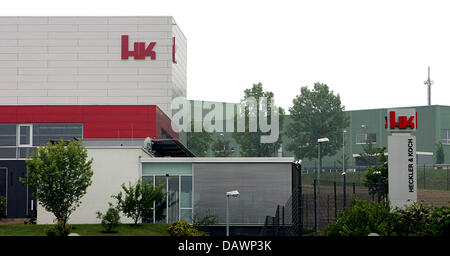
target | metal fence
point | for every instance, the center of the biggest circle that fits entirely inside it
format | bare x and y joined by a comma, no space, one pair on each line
298,215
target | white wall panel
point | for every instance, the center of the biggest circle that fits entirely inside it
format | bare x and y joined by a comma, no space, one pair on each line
77,60
108,166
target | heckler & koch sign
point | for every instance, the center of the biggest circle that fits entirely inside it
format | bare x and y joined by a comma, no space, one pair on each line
402,161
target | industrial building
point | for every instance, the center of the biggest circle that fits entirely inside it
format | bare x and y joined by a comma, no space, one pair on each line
110,81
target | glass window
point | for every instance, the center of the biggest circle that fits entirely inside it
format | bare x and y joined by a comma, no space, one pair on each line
26,152
160,209
364,137
445,136
43,133
7,134
25,131
8,153
186,215
186,191
173,199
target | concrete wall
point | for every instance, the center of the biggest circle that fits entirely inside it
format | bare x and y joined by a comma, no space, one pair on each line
112,167
77,61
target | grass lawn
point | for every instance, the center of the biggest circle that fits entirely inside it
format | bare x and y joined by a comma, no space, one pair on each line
88,230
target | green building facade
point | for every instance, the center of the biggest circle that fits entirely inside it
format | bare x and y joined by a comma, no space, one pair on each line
433,127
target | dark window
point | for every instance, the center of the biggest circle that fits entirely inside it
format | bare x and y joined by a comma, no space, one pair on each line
7,152
7,134
43,133
364,137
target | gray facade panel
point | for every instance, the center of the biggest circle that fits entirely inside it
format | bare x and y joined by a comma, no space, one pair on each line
262,187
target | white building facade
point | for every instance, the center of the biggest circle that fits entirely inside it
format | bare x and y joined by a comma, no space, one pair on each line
80,61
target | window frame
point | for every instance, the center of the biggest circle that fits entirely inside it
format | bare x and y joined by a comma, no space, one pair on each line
366,135
19,135
445,141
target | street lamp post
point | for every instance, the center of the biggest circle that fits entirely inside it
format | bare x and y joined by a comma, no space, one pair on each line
320,141
343,150
229,194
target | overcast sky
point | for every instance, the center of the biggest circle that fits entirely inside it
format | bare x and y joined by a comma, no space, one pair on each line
373,53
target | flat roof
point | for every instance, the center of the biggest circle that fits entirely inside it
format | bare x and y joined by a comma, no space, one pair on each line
220,159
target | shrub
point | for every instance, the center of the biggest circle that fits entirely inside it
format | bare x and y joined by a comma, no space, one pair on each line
364,218
110,219
414,220
202,224
441,221
2,207
182,228
60,229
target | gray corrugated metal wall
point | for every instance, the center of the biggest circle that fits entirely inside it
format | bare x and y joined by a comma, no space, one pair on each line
262,187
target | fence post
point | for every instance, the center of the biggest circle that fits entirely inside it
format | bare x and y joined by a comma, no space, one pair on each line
424,177
335,201
345,196
315,207
447,178
328,208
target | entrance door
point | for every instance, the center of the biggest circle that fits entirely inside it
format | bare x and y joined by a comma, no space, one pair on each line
168,210
4,184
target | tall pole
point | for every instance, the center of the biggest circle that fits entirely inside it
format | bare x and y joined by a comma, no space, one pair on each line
318,191
343,151
228,217
428,83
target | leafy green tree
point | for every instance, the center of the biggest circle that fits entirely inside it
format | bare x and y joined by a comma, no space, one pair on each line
316,113
138,199
250,142
440,157
221,147
2,207
368,156
199,143
378,175
61,173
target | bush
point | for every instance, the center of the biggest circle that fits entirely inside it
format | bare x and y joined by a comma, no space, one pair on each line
364,218
441,221
110,219
182,228
202,224
58,230
2,207
414,220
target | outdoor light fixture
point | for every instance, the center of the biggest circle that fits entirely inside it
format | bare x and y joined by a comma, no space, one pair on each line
317,218
235,194
323,140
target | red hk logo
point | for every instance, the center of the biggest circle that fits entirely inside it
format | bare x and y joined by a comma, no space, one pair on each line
402,123
140,52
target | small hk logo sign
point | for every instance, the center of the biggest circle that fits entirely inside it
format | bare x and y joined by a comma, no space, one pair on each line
139,52
401,120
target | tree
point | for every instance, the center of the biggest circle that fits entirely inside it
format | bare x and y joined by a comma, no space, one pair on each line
110,219
61,173
440,157
316,114
138,199
378,175
250,142
369,155
2,207
199,143
221,147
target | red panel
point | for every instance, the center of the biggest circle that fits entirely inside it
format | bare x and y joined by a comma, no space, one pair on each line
99,122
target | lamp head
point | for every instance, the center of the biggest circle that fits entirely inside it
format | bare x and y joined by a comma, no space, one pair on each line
321,140
233,193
